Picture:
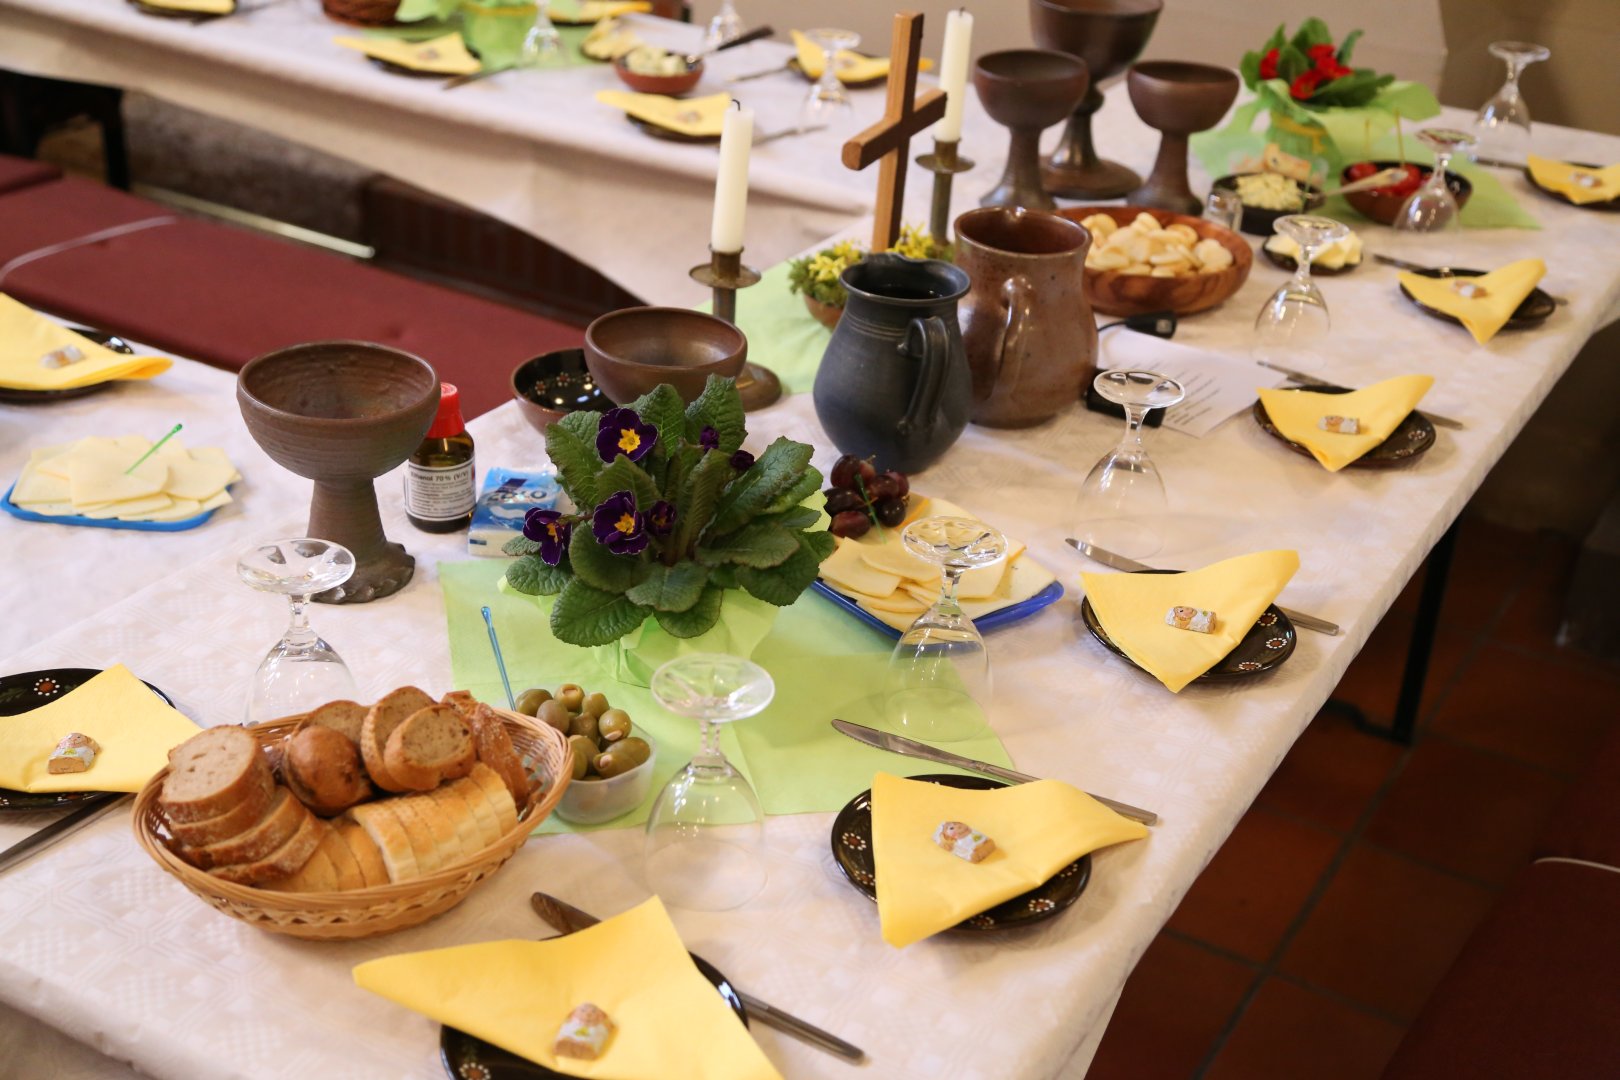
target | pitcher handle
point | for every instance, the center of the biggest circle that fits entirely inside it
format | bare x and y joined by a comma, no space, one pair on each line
927,342
1017,294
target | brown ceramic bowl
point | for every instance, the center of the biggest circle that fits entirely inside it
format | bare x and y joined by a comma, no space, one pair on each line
1260,221
1030,89
669,85
1114,293
632,350
552,385
1106,34
1382,207
1181,97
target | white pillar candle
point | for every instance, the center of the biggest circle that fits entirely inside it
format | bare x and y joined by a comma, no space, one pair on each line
731,186
953,69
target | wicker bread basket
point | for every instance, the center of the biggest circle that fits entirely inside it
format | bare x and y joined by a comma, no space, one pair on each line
362,12
384,908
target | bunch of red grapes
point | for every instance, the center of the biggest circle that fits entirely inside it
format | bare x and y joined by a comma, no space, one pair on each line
860,496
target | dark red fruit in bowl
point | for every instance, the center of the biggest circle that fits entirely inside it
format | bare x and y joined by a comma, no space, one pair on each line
851,524
841,499
890,512
882,486
902,486
843,471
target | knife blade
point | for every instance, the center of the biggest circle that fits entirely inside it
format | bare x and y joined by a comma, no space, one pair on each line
1131,566
59,829
566,919
1311,380
898,744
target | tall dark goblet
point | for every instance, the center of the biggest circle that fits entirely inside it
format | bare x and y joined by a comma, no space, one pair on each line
1178,98
1027,91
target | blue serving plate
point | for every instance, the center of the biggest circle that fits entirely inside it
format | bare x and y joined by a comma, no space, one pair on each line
1000,617
107,523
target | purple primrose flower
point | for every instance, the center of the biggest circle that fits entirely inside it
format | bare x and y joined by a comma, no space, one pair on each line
546,528
623,432
618,525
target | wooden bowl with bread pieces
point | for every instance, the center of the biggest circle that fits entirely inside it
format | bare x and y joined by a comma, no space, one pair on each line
286,825
1203,268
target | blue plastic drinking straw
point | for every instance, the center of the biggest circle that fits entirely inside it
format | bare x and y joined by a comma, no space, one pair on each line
495,644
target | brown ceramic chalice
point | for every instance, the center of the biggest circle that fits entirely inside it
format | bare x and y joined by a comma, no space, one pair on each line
1027,91
1178,98
632,350
1107,35
342,413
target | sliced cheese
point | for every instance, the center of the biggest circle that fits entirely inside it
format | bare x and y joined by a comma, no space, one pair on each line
34,486
846,570
893,557
88,478
190,478
1024,579
901,603
216,501
99,477
126,508
981,583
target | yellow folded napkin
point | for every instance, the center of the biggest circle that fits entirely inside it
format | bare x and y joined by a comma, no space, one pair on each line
445,55
850,67
28,340
207,7
135,728
1378,410
590,11
516,994
1502,291
1562,177
702,116
1132,607
1038,829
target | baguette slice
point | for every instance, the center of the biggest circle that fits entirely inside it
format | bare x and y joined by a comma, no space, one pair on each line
485,828
341,716
495,749
460,700
469,835
431,830
367,856
500,799
380,723
277,826
349,874
233,822
285,861
318,875
213,771
433,744
393,843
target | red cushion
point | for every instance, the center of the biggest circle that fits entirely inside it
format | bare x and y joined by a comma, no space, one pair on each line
16,172
1535,993
1587,823
223,295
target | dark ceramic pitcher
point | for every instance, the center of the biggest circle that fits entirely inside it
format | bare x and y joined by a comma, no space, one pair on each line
894,381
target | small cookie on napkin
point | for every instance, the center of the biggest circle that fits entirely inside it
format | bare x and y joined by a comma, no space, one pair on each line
1483,304
699,117
1377,411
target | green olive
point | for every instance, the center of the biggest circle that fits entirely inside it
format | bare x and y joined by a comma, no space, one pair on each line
584,724
556,714
613,725
529,702
622,756
584,750
595,704
571,695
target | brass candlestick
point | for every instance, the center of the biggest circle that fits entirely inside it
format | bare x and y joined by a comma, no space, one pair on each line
725,274
944,163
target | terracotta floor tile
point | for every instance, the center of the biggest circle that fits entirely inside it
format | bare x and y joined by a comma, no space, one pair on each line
1373,679
1289,1031
1331,774
1477,588
1176,1002
1543,711
1253,889
1465,810
1385,931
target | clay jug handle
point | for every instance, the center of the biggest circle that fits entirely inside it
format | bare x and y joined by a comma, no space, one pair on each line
928,343
1017,294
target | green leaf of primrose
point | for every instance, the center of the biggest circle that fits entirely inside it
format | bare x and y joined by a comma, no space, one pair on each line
782,585
760,544
670,588
622,474
719,407
724,577
532,575
576,460
587,616
601,568
820,544
697,619
696,503
520,545
778,468
801,489
800,517
663,409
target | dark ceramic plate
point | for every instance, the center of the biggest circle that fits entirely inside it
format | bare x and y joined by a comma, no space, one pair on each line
1268,643
29,690
560,381
1291,264
1258,221
41,397
1532,312
793,66
658,131
467,1057
1411,437
852,850
1608,205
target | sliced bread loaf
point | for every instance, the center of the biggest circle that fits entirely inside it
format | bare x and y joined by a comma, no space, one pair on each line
323,768
393,843
495,749
366,854
500,799
349,874
238,819
285,861
433,744
431,832
345,717
317,875
380,722
275,828
482,829
469,837
460,700
213,771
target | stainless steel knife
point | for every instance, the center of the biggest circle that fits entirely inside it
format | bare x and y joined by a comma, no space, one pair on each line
566,918
59,829
1131,566
1311,380
898,744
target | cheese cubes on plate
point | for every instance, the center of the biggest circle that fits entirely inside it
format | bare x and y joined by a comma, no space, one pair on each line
93,478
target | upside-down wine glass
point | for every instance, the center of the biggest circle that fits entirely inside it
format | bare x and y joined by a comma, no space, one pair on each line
1122,506
828,102
706,831
1295,317
1432,207
938,684
726,26
542,43
301,670
1503,123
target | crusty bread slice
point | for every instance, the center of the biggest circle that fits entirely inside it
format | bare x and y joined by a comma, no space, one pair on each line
495,749
345,717
484,829
393,843
428,823
367,856
500,799
238,819
323,769
381,720
460,700
317,875
344,863
286,860
433,744
211,772
469,836
284,817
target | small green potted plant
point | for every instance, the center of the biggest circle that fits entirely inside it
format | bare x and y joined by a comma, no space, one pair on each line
817,275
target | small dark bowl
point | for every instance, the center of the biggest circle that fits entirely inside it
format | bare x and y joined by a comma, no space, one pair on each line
554,384
633,350
1382,208
670,85
1261,222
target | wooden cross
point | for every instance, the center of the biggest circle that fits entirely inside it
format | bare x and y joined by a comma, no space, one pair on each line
889,139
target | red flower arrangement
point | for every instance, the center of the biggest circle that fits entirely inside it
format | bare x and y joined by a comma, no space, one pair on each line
1317,72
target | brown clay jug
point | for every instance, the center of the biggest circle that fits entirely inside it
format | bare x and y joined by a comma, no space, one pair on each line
1026,323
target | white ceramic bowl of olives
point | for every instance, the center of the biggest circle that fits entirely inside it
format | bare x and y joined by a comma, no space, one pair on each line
613,762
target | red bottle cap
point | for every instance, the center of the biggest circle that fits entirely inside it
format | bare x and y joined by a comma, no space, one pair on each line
447,421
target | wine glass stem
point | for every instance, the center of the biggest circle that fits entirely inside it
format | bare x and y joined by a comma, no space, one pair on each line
1135,417
1302,272
829,71
708,755
950,579
298,630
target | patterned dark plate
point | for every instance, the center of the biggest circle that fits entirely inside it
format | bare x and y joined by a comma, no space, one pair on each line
658,131
852,850
467,1057
1413,436
1268,643
28,690
1607,206
40,397
1531,313
1290,264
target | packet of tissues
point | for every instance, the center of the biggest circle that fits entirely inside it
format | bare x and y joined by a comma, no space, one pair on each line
507,497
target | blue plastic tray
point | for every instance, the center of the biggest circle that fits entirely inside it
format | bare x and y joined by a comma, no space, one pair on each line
997,618
104,523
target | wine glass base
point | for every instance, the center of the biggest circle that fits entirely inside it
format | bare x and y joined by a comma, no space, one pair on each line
706,872
1099,180
383,574
1131,537
934,715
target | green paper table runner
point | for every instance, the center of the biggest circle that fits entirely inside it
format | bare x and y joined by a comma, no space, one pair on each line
782,334
825,664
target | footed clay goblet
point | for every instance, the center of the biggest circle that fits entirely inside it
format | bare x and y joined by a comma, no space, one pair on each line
1027,91
1107,35
1178,98
342,413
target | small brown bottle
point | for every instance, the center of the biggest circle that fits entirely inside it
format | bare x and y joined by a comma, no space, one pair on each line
440,481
